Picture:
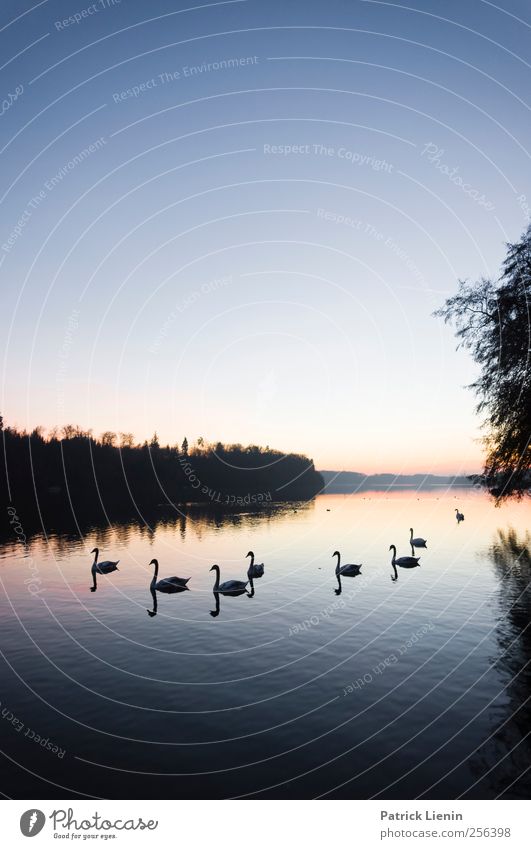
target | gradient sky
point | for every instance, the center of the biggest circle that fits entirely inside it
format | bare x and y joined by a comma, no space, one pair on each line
187,276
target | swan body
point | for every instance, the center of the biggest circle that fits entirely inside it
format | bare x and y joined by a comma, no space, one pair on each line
167,585
417,542
349,570
105,566
459,516
228,586
255,570
404,562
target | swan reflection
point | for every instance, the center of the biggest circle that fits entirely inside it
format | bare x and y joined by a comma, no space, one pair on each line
232,594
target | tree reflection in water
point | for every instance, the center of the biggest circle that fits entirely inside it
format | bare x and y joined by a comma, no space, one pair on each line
503,763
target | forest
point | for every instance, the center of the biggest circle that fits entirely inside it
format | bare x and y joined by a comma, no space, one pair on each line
111,476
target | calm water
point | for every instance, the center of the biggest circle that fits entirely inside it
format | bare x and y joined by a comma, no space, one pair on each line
396,689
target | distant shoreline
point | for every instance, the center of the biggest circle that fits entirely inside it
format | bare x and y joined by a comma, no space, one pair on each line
348,482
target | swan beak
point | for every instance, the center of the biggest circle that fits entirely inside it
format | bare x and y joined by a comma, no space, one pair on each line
211,569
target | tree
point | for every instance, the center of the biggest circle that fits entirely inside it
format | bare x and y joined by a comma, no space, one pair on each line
493,321
69,431
154,442
184,447
127,440
108,438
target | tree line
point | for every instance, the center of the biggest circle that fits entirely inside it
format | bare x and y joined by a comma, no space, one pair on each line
71,469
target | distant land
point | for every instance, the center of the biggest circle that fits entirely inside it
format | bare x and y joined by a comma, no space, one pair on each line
337,482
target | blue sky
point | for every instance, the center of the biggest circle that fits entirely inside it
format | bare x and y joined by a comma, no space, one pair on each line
256,208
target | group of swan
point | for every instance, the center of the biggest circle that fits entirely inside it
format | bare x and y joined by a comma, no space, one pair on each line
178,585
256,570
234,587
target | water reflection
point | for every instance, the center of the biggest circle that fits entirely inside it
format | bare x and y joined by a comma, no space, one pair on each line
187,520
175,590
228,594
504,760
467,674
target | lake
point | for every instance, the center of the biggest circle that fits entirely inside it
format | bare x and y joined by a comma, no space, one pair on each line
415,688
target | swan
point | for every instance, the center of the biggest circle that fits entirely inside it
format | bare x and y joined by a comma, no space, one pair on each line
167,585
228,586
459,516
255,570
404,562
103,568
417,542
349,570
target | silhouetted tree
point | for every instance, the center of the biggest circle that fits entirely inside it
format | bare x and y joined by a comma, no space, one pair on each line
69,431
154,441
493,320
184,447
127,440
108,438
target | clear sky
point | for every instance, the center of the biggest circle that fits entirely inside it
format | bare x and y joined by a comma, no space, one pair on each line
234,221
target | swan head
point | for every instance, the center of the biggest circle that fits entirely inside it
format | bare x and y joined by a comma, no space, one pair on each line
392,548
411,530
250,554
336,554
95,551
154,562
213,568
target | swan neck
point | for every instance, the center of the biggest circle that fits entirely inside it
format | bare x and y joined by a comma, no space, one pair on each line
216,585
338,555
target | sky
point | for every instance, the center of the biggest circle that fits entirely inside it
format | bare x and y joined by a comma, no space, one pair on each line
234,220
